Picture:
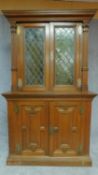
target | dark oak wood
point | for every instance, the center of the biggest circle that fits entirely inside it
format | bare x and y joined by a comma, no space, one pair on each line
49,124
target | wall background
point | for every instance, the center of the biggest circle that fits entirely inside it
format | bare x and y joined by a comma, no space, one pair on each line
5,80
5,85
93,86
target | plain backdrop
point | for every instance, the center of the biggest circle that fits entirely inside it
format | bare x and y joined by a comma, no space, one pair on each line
5,85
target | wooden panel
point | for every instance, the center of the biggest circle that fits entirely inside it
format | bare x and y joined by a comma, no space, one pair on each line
34,128
49,128
14,122
29,125
67,121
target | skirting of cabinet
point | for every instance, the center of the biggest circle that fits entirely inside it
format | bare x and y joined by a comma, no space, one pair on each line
52,161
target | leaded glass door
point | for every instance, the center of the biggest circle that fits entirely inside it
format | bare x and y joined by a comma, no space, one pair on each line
49,56
66,45
33,73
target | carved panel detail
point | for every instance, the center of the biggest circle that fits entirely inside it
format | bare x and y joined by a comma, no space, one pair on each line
64,147
65,109
33,146
33,109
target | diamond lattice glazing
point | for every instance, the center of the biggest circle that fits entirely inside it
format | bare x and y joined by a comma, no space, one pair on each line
64,55
34,56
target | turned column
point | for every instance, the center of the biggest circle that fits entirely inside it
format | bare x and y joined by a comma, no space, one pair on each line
85,57
14,56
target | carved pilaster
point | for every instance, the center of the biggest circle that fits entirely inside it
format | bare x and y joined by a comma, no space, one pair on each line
14,56
84,68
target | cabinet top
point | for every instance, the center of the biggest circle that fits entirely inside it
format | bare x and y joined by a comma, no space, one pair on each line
72,15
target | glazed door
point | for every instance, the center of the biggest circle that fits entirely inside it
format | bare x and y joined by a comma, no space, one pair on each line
33,57
49,56
32,128
66,45
66,129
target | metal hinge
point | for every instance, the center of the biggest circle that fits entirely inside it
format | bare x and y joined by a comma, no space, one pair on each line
80,149
82,110
79,83
19,83
18,148
16,108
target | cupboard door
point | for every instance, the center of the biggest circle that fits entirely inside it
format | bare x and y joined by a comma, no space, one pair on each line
49,56
66,44
32,131
66,129
33,59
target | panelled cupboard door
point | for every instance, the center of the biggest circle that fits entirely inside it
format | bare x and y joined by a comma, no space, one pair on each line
30,125
66,129
58,128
